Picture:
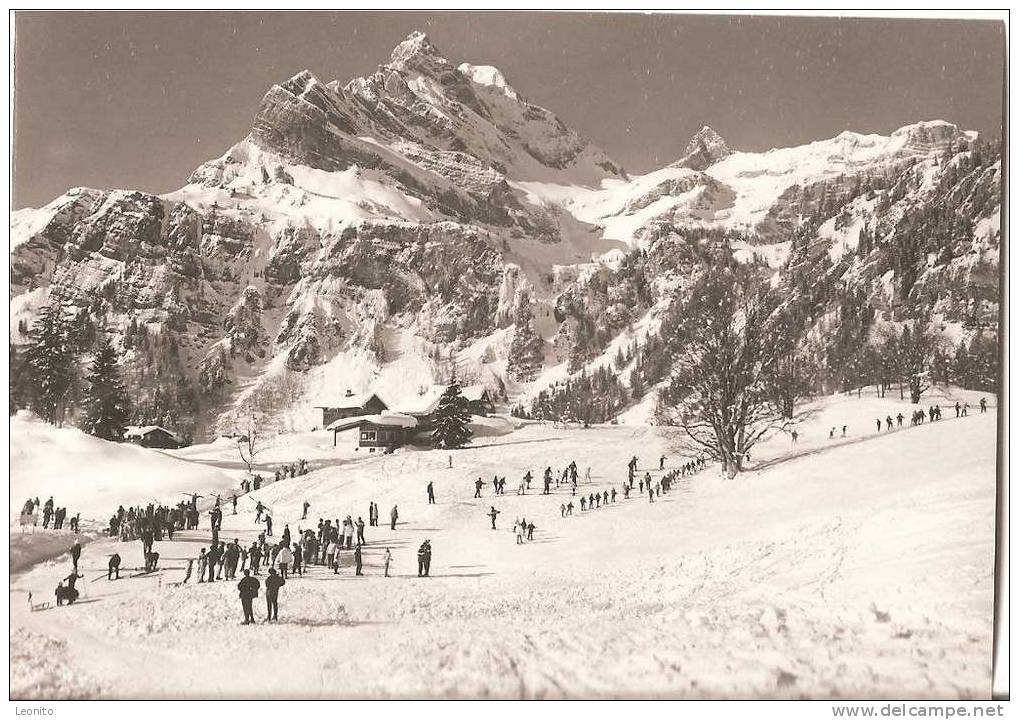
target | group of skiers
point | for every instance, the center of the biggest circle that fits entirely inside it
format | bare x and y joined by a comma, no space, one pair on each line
291,470
920,416
52,517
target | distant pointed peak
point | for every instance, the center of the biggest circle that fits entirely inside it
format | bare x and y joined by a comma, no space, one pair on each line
707,138
416,45
705,148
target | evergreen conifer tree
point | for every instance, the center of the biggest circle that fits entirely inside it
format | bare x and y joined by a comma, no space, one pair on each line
50,363
106,402
451,419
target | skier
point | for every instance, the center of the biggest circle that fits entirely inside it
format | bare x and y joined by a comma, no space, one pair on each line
831,433
113,567
357,560
273,583
283,560
75,554
333,556
424,558
899,419
259,509
233,501
661,463
203,561
268,525
212,559
360,530
348,532
285,539
569,507
843,431
796,436
67,592
231,557
298,559
983,405
477,487
248,590
493,513
254,558
387,557
527,479
530,531
879,424
393,516
431,494
518,530
307,505
562,509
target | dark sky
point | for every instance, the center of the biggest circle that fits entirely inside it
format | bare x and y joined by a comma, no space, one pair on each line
138,100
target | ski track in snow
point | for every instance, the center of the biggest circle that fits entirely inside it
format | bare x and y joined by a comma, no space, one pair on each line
861,569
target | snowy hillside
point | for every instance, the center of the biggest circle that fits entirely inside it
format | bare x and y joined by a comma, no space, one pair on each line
93,476
847,567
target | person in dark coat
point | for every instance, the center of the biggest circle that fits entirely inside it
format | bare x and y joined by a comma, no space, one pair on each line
248,590
393,516
75,554
212,561
268,525
424,558
67,593
493,513
431,494
357,560
273,583
286,534
113,567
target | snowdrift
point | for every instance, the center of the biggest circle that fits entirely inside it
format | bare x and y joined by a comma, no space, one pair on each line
93,476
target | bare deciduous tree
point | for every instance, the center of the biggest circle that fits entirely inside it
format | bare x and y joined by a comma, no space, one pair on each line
249,445
728,345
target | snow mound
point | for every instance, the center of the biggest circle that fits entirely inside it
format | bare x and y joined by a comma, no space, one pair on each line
93,476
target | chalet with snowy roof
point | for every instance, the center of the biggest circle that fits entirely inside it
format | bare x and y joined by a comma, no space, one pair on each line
351,405
385,430
479,402
479,399
153,436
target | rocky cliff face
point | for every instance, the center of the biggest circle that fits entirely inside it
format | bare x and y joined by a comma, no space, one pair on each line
371,235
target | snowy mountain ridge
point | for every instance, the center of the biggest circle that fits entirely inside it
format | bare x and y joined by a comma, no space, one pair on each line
372,234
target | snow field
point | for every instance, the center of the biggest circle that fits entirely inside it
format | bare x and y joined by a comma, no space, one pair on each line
856,568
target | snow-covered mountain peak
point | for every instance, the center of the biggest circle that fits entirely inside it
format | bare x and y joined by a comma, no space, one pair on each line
705,148
414,51
930,134
489,76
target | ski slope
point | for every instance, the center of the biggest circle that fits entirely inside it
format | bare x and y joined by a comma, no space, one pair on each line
853,567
